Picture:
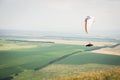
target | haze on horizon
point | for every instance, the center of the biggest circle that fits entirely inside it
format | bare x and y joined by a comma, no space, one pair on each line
60,15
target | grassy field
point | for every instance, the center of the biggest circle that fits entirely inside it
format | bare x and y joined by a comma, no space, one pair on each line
89,57
15,60
29,60
75,66
99,75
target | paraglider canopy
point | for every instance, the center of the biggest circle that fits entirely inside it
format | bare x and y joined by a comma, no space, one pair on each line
89,20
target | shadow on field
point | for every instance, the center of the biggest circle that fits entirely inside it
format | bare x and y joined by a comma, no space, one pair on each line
86,57
56,60
8,78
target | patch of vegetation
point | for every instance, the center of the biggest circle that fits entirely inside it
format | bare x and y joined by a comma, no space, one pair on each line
17,60
62,72
88,57
99,75
21,63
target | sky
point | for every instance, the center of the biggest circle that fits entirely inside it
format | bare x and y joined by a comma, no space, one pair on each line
60,15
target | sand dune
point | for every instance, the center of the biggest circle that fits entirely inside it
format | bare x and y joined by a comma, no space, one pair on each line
111,51
14,46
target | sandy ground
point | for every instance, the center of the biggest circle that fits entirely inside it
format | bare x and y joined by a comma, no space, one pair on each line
111,51
14,46
75,42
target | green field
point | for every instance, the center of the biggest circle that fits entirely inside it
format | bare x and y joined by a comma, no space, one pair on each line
29,60
17,60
